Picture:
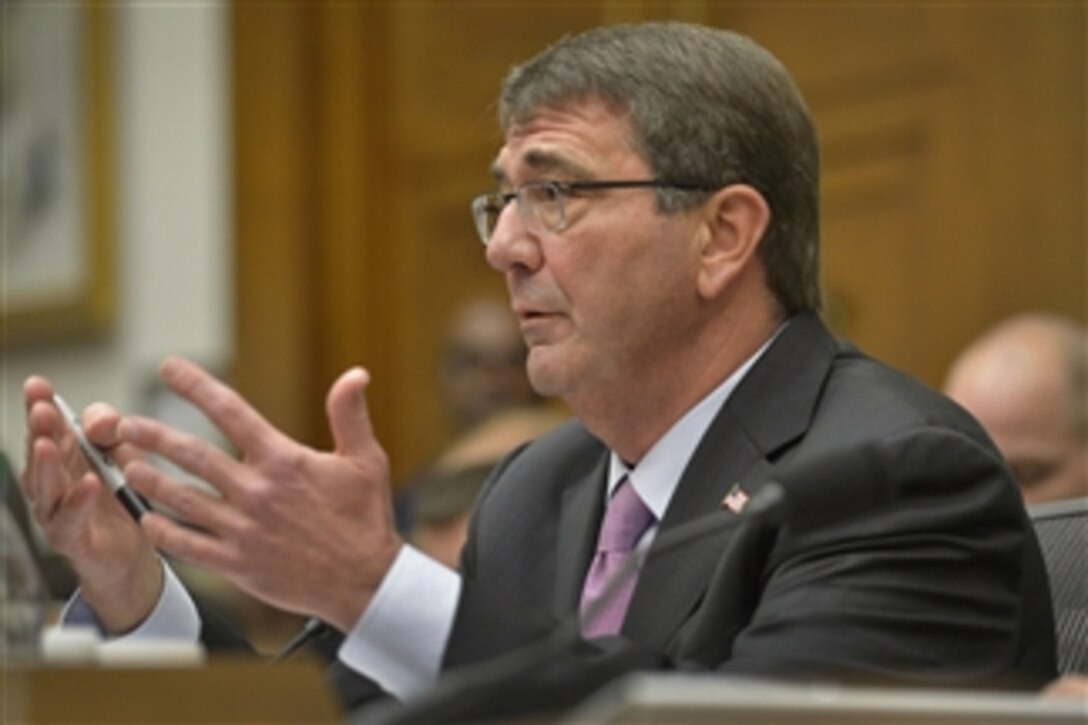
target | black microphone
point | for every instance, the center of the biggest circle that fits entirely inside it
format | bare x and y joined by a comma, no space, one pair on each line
827,488
804,494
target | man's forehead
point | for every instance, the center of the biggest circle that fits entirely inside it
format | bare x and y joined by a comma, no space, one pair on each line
555,138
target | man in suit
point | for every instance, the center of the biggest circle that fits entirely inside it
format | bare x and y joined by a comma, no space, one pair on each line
657,226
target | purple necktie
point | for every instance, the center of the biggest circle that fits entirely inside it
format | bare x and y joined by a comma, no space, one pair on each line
625,521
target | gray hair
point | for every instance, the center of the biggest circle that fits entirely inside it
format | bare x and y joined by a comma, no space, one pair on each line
707,106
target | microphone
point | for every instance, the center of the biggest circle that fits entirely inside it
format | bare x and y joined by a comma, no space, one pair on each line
829,488
805,494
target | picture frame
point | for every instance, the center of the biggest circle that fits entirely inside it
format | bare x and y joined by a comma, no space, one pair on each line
57,187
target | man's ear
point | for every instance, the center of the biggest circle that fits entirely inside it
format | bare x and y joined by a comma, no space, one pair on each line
734,222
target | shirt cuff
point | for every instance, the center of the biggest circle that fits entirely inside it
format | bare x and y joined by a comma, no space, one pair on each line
175,615
397,642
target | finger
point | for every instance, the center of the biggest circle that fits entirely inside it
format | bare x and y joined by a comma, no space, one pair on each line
349,417
100,425
191,504
40,479
39,427
186,451
43,419
188,544
60,507
35,389
46,478
230,413
52,458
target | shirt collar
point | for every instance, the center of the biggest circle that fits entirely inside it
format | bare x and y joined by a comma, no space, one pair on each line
656,476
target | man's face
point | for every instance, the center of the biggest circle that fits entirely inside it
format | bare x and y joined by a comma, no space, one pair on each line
602,302
484,363
1030,420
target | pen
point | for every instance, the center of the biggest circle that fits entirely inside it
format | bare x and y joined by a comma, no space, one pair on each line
107,470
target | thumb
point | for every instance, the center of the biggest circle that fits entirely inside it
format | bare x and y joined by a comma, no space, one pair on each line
349,417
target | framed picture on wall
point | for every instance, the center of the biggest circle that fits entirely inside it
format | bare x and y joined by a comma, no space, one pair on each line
56,189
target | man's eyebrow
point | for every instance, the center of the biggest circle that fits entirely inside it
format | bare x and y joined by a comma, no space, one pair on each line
540,160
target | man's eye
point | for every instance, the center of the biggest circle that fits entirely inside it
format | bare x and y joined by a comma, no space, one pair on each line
1032,472
541,193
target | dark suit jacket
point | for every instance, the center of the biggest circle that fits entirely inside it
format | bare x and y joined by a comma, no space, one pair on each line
944,586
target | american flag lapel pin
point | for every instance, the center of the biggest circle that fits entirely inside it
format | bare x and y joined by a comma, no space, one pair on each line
736,499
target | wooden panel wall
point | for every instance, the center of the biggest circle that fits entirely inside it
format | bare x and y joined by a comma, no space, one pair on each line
954,164
953,190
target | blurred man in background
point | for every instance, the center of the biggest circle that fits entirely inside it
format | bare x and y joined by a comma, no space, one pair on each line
443,496
1024,380
483,363
491,408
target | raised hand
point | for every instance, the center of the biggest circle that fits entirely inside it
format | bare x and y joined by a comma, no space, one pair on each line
305,530
119,572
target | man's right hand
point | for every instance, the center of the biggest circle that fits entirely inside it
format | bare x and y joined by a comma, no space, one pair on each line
119,571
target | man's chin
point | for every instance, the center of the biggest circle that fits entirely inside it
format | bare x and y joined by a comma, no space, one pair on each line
545,375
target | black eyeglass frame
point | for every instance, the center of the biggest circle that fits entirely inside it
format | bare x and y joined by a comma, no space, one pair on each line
492,203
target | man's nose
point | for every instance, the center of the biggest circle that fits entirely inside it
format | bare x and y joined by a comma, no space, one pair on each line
511,244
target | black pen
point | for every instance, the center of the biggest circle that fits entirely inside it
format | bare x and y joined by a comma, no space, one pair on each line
107,470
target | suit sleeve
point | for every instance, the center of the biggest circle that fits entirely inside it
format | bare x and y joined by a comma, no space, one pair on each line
490,622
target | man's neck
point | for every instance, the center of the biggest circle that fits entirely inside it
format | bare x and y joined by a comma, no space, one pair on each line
634,414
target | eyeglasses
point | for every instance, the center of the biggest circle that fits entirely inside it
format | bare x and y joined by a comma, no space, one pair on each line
542,204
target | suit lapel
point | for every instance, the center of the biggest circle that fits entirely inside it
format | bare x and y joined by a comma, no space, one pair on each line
769,410
579,518
671,583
